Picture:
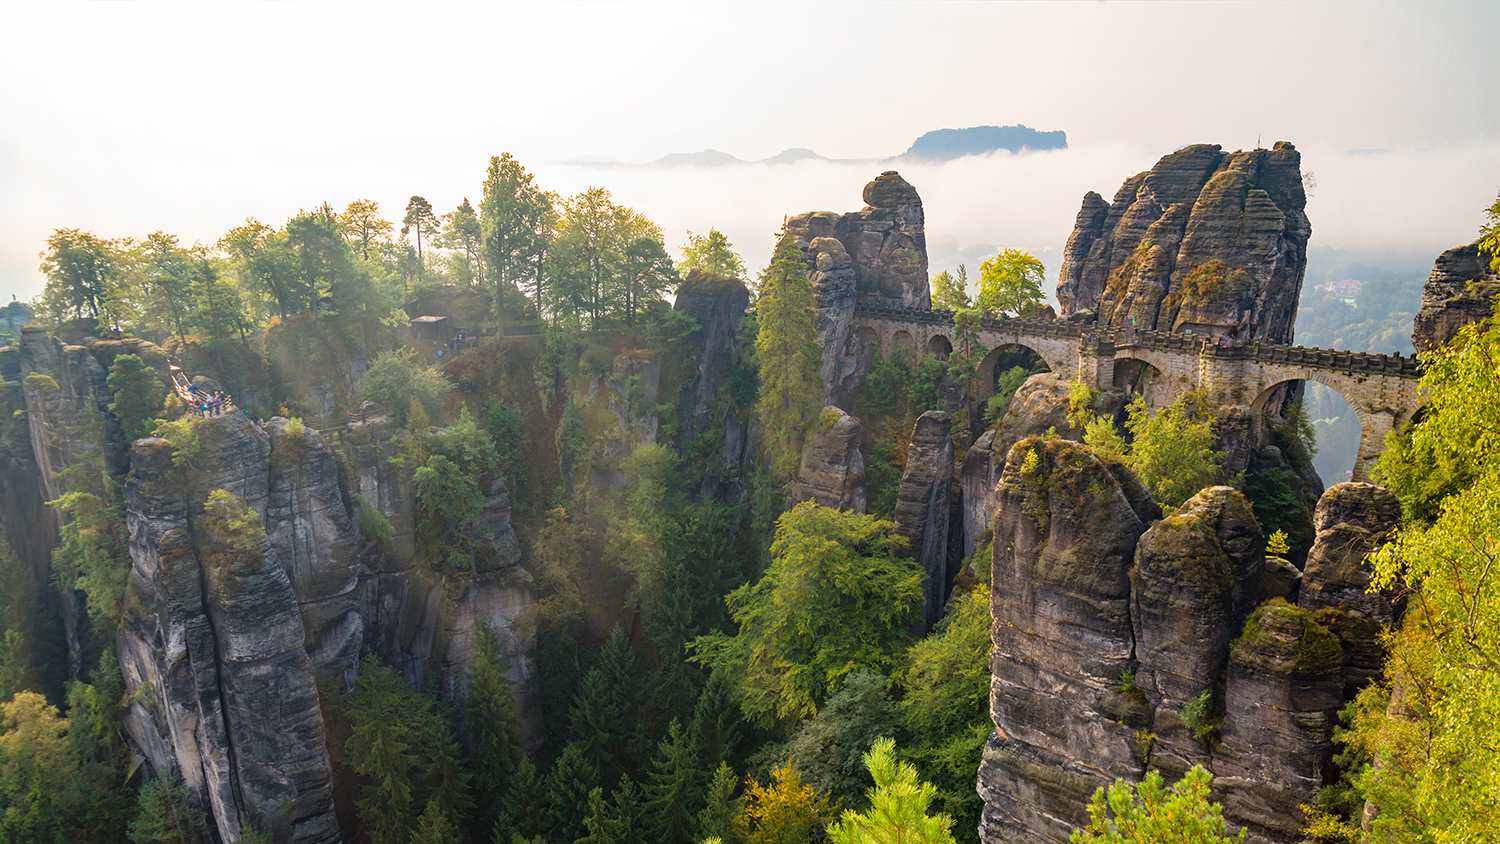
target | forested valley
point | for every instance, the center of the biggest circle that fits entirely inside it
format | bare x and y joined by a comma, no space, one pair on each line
506,525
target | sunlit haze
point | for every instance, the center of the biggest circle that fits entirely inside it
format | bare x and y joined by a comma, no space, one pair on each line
128,118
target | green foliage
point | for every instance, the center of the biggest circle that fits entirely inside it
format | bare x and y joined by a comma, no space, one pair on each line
950,291
719,819
1153,814
1172,452
787,353
1451,443
182,437
1011,282
374,526
898,806
711,254
138,395
516,220
1198,716
167,815
397,381
444,490
828,748
926,390
1489,234
402,747
295,429
674,794
92,554
1275,503
434,827
835,598
84,277
590,262
1006,385
945,714
1101,435
1276,545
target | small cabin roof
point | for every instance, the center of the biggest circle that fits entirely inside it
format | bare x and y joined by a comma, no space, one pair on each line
429,320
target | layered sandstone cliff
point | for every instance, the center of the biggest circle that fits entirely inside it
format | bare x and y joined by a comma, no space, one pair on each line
1206,241
1459,291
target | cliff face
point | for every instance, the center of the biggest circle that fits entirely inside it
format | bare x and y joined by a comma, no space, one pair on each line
715,385
1458,292
877,255
1206,241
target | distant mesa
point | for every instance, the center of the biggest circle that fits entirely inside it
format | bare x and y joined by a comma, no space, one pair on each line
936,146
949,144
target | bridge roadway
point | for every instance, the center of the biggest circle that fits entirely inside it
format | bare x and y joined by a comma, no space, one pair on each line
1382,389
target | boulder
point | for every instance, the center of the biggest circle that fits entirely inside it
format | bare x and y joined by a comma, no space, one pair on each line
1065,537
922,507
832,472
1206,241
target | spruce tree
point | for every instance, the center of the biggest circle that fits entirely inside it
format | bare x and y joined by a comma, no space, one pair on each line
434,827
567,792
674,792
720,816
718,728
787,351
525,801
493,730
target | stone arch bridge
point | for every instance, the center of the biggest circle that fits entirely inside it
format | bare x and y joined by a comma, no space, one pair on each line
1382,389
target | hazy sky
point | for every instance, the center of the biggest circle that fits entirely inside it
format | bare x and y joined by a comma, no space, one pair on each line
128,118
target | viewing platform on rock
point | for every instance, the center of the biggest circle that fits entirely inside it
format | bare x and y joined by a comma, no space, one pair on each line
1382,389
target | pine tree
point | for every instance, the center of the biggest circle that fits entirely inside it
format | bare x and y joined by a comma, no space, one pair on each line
567,791
493,730
898,806
787,351
673,795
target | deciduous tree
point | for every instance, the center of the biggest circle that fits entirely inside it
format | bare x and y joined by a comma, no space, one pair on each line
836,597
1011,282
516,224
712,254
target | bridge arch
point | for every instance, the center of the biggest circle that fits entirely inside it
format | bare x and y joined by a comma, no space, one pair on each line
1158,376
939,346
902,344
1373,426
1012,354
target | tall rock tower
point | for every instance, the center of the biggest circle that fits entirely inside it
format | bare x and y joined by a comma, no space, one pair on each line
877,256
1205,242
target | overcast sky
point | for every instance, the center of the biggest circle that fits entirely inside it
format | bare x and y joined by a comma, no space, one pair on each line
128,118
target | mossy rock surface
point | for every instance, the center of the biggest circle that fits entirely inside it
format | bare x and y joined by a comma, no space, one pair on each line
1284,638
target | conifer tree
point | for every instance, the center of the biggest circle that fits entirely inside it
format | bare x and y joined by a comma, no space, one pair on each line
493,731
720,816
434,827
787,351
673,794
525,802
717,727
898,806
567,792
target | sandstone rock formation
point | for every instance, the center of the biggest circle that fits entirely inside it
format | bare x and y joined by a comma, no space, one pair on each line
922,507
877,255
213,647
1282,698
1197,576
1065,540
832,472
1206,241
1039,405
712,388
1459,291
1352,520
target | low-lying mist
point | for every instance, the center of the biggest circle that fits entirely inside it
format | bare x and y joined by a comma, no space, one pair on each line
1382,208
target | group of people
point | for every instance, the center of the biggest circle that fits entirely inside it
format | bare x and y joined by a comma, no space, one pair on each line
208,404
